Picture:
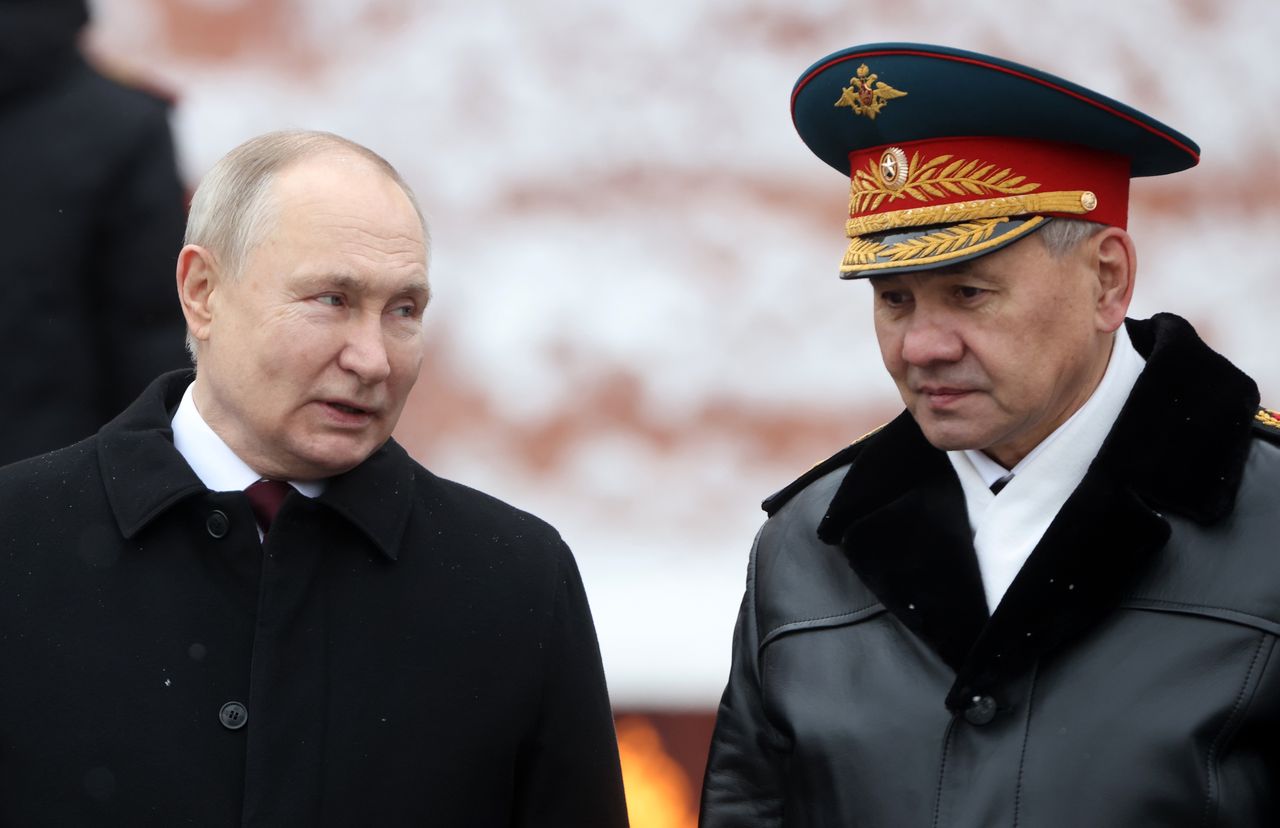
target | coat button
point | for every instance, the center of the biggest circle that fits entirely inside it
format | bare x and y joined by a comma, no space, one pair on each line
233,715
217,524
981,710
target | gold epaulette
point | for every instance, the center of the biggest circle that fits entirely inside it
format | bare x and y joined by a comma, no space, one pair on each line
829,461
775,501
1268,418
870,433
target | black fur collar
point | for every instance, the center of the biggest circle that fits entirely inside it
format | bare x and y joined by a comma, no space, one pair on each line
1178,446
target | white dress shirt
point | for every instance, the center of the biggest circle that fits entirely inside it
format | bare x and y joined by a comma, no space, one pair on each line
1006,528
218,467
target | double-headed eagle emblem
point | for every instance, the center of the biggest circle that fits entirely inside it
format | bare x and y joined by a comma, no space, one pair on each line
866,94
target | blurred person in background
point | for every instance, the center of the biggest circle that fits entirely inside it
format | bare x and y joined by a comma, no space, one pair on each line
92,211
1048,593
242,602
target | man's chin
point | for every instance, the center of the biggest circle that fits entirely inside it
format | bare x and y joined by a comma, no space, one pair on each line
329,458
951,433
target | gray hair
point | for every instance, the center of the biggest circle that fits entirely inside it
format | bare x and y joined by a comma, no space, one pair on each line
1061,235
232,207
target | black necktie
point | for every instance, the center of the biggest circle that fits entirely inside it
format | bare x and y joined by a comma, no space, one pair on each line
265,498
1001,483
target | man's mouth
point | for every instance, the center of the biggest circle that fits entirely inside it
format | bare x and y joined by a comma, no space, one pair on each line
347,408
941,394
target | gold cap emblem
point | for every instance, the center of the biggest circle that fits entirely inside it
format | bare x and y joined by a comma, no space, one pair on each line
893,168
866,94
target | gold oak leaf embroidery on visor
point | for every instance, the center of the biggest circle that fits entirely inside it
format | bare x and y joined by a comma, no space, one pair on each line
861,252
944,241
932,180
1268,417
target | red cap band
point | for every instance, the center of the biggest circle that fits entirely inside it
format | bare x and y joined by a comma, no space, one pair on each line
940,171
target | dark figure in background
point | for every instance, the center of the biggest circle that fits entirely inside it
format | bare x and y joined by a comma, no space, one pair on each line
92,211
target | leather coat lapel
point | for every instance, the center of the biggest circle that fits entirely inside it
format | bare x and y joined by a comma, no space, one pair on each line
900,514
1094,551
1178,445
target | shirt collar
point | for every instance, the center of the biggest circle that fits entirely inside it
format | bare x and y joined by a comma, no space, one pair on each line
1085,430
144,474
989,471
219,468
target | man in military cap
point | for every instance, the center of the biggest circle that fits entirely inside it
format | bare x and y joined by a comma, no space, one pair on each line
1047,593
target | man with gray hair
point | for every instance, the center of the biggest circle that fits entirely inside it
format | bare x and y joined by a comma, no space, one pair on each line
242,603
1047,593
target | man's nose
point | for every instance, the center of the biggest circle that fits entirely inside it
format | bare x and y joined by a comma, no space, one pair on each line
930,338
365,352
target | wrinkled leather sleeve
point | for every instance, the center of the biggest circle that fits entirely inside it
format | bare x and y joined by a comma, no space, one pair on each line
743,786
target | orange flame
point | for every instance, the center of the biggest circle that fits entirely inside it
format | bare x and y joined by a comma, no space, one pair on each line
658,791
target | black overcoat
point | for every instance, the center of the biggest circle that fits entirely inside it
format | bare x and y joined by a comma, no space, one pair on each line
407,651
1129,677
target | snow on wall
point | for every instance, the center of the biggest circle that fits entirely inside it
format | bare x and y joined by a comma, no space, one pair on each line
638,329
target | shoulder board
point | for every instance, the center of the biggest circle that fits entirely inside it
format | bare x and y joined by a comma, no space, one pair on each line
778,499
1267,421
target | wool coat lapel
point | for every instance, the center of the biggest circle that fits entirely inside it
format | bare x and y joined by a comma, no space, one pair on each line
1179,446
143,473
146,476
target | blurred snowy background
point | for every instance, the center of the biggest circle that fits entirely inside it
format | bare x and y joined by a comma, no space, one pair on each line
638,331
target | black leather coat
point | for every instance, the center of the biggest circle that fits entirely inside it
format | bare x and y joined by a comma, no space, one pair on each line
1128,678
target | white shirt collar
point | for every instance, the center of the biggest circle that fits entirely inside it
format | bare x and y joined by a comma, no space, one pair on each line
1007,528
989,471
219,468
1093,420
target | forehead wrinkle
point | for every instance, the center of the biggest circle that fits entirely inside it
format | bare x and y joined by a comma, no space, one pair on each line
363,226
388,247
319,209
392,248
357,283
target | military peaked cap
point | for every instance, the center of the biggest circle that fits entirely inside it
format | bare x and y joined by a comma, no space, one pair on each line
954,154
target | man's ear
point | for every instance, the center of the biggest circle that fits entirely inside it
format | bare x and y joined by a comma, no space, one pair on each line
1115,260
198,277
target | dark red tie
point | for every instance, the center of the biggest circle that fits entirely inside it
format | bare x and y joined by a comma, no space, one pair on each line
265,498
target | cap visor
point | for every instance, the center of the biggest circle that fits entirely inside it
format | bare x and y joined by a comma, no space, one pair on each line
925,248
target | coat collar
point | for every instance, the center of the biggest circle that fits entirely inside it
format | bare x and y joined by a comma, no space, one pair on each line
901,515
145,475
1178,446
377,496
1181,440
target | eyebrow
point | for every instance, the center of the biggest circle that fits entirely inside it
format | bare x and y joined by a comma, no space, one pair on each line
352,282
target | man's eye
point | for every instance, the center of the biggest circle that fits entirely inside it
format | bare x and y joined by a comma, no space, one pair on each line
894,298
966,292
330,299
407,311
